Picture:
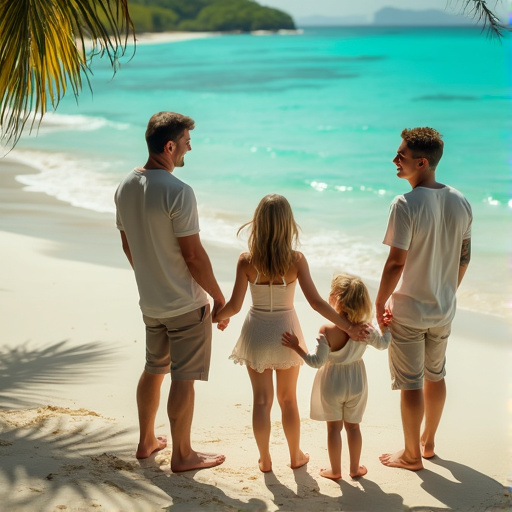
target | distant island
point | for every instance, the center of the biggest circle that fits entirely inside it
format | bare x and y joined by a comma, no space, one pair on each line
390,16
206,16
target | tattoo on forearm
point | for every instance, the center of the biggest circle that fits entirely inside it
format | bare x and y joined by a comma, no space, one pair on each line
465,253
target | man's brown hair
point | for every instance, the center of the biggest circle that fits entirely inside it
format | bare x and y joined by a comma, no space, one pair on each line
166,126
424,143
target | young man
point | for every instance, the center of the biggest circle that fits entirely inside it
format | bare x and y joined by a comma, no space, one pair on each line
158,220
428,233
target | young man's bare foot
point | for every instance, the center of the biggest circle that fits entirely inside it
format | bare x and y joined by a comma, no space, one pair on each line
197,460
427,450
265,465
143,452
300,461
397,460
361,471
329,473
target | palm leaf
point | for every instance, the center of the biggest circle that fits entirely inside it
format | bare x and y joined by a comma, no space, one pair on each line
479,10
45,50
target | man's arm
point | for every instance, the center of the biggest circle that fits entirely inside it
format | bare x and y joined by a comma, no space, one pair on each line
391,273
465,257
200,267
126,247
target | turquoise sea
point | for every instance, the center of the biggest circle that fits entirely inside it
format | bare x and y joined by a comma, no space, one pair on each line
315,116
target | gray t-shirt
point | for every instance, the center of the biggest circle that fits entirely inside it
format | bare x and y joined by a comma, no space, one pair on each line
154,209
430,224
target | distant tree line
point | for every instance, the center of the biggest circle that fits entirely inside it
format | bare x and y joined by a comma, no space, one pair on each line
206,16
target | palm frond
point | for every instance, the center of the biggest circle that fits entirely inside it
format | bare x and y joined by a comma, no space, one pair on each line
480,11
45,50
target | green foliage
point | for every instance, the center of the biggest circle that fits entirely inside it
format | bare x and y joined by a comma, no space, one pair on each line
43,53
206,16
153,18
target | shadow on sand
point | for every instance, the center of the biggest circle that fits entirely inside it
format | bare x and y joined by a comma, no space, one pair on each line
23,370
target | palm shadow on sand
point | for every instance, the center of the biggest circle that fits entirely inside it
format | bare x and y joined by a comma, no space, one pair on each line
24,370
190,495
57,451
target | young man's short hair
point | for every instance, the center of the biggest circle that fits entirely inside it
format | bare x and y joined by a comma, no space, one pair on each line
166,126
424,143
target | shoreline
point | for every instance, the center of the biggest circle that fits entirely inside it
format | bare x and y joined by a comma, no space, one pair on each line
73,345
71,244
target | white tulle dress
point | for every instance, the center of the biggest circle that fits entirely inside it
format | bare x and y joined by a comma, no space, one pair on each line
272,313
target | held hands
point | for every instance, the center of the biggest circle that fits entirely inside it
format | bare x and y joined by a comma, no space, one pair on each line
384,316
222,324
387,318
217,307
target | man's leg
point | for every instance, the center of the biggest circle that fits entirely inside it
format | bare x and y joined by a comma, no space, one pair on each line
435,385
180,408
435,397
412,408
407,360
148,399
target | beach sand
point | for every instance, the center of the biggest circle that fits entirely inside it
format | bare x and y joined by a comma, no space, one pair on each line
72,351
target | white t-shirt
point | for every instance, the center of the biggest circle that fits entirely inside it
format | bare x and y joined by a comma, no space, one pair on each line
431,225
154,209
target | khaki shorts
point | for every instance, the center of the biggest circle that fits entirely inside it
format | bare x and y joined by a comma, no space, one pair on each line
180,345
417,354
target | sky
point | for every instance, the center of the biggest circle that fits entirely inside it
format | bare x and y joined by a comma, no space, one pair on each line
344,8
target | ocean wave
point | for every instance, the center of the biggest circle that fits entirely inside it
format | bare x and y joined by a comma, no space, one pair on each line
53,122
81,183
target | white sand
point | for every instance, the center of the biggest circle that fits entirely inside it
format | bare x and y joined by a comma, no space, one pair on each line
72,351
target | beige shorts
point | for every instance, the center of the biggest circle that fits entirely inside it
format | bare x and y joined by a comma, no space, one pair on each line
417,354
180,345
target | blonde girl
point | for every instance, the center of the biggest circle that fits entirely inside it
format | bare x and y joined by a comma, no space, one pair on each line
340,388
271,268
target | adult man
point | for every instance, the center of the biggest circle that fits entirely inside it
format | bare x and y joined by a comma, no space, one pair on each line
428,233
158,220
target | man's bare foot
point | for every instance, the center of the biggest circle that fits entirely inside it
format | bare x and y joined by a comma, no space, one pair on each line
197,460
329,473
427,450
301,460
360,472
265,465
397,460
143,452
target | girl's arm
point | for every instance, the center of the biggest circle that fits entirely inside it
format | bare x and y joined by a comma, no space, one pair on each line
355,331
378,340
234,304
316,360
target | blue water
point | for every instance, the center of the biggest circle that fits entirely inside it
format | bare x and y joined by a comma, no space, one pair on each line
316,117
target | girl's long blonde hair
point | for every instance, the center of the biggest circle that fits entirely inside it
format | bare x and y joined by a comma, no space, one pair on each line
273,237
352,298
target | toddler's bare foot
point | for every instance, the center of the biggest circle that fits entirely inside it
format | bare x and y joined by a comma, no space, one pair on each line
157,444
427,450
360,472
265,465
197,460
300,461
329,473
397,460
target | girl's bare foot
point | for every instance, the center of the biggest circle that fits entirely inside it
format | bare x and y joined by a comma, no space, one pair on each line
145,451
427,450
360,472
396,460
265,465
301,460
329,473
